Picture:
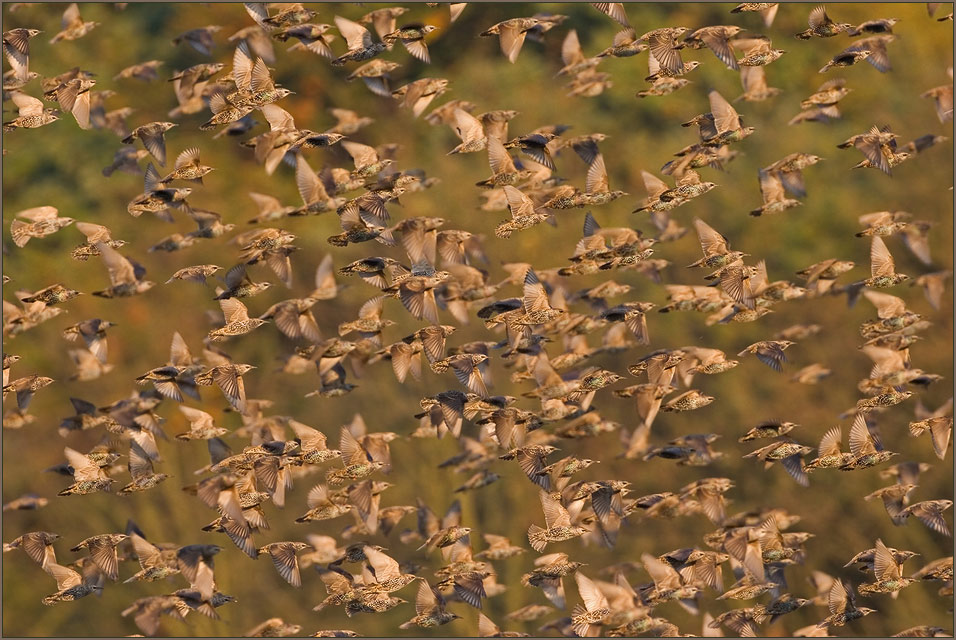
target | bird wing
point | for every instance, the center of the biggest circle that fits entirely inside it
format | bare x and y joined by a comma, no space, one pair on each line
860,440
139,459
356,36
555,515
725,116
242,67
654,185
286,563
385,566
592,596
65,577
884,564
830,442
155,143
466,126
196,417
661,46
261,78
721,48
511,40
571,48
881,261
818,17
362,154
535,296
71,16
233,310
663,575
120,269
837,598
771,187
711,242
27,105
498,157
596,181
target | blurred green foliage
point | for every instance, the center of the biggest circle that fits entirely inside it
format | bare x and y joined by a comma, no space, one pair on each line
61,165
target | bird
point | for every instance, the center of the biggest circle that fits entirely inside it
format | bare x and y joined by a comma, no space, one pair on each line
772,192
188,167
413,37
141,464
237,319
125,275
73,26
881,25
524,340
843,608
829,454
511,34
930,513
822,26
943,97
16,47
847,58
102,550
359,41
758,52
429,608
38,545
284,558
558,525
70,585
31,113
717,39
43,221
145,71
153,138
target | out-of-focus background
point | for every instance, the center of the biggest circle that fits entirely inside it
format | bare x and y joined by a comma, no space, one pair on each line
61,165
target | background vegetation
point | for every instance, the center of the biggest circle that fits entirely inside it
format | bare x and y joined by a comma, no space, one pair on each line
61,165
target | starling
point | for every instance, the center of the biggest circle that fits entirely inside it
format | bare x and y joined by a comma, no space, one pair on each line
16,47
31,113
145,71
758,52
37,544
822,26
930,513
199,39
152,136
772,191
846,59
359,41
72,26
284,558
430,609
558,525
413,37
70,585
102,550
769,352
511,34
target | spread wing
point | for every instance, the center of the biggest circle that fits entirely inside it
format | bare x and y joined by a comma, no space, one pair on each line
881,262
725,116
355,34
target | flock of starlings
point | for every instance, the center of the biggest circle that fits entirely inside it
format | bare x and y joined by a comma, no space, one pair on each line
443,277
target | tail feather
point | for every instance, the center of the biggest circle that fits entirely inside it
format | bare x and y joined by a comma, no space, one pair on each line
537,538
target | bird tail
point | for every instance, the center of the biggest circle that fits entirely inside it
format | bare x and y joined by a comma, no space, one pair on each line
581,629
537,538
18,230
853,292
